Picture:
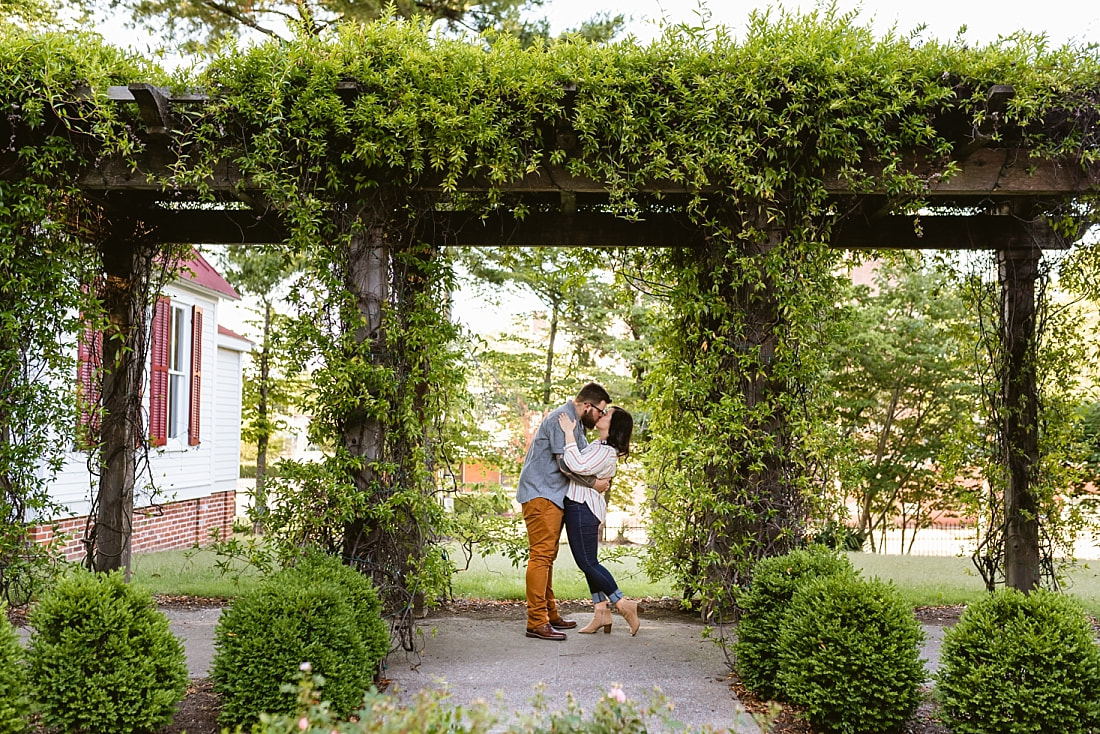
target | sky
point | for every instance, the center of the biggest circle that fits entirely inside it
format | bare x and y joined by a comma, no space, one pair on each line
1063,21
1076,21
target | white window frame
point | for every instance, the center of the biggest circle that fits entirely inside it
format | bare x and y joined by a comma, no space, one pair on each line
179,371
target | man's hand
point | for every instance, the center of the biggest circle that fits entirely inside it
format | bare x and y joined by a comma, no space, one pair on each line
601,485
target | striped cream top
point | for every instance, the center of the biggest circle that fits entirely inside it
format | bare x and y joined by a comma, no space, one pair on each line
597,459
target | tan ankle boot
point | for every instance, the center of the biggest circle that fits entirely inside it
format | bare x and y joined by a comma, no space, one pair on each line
601,617
629,610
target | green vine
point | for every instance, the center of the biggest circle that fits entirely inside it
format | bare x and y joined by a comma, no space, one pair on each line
358,137
57,127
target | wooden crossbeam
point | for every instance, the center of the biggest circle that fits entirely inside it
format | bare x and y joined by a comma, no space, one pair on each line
594,229
597,229
948,232
153,104
987,173
583,229
205,226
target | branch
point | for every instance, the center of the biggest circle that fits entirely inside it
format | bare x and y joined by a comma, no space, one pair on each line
233,13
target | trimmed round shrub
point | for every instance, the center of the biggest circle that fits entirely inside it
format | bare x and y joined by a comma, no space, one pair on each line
102,657
850,654
1018,663
361,594
13,699
763,604
314,613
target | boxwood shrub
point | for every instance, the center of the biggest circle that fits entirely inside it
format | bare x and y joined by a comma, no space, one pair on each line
317,613
102,657
763,604
13,698
1019,663
361,594
849,651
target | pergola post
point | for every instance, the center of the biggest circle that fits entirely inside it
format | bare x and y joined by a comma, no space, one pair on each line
126,267
770,519
1018,272
368,280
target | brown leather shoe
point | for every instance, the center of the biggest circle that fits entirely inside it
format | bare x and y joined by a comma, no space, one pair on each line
562,624
545,632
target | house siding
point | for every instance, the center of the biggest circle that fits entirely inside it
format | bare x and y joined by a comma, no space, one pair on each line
227,418
184,495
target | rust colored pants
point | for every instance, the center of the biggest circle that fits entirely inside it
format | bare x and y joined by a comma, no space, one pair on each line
544,521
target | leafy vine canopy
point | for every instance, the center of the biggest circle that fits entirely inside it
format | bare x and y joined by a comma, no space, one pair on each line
742,134
761,119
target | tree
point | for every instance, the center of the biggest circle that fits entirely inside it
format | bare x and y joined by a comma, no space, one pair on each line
41,271
201,24
28,13
904,398
576,302
258,272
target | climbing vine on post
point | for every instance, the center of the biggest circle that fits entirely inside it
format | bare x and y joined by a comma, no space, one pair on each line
367,140
49,268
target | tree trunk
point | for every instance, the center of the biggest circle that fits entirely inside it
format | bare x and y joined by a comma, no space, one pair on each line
259,492
548,375
127,270
1019,394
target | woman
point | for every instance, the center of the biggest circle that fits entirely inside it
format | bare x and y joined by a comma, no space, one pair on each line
586,508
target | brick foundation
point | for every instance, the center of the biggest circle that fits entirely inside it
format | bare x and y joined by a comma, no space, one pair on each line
169,526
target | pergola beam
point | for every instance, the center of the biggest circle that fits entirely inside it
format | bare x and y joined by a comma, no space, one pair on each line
948,232
603,229
216,227
986,173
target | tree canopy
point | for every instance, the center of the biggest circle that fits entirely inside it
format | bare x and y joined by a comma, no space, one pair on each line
204,24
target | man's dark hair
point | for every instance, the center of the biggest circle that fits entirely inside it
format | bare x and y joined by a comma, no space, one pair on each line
593,393
620,430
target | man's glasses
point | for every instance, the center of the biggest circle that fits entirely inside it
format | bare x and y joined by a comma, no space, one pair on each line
601,412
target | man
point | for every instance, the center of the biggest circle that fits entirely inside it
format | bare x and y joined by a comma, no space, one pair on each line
541,492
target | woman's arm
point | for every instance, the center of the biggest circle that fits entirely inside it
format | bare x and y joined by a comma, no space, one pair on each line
586,479
598,459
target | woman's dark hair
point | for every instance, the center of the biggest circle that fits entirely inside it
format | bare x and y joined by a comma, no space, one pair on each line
619,430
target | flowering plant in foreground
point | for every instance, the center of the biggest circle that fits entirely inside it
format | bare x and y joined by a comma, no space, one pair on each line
431,710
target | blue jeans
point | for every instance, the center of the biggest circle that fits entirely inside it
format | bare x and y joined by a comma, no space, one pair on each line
583,530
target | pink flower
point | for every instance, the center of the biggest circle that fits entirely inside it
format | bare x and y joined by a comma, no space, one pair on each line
617,694
303,723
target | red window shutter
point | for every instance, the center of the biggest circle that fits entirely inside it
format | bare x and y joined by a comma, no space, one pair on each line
196,376
89,357
159,344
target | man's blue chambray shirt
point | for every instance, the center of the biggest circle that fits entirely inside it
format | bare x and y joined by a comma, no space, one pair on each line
540,476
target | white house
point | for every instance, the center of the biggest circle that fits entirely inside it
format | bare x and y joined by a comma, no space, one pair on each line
192,402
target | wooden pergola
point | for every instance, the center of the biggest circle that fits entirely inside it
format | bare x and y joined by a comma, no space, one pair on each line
1001,192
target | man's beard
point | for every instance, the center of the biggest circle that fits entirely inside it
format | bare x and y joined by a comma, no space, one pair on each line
588,421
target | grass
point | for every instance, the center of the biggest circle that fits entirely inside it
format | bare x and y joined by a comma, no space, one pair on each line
922,580
192,572
494,577
934,580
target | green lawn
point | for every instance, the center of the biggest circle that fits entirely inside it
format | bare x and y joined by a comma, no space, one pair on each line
189,573
923,580
933,580
494,577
